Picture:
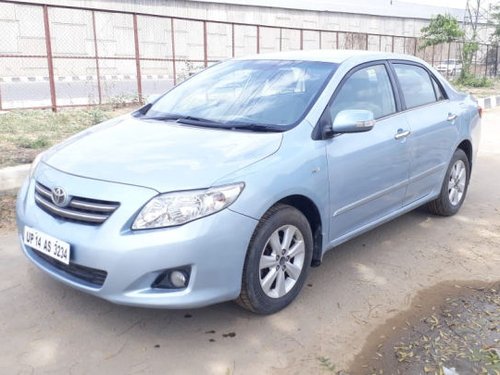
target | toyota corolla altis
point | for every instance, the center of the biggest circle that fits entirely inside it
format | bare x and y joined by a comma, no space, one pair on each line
233,184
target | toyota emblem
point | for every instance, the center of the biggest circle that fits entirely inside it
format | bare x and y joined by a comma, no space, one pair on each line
59,197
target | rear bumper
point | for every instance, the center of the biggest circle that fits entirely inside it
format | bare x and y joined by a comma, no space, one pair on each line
214,247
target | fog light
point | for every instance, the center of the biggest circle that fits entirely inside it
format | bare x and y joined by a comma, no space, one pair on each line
178,279
175,278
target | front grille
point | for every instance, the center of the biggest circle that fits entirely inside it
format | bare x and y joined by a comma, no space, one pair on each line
86,275
79,209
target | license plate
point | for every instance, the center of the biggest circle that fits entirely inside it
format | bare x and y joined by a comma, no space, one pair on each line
46,244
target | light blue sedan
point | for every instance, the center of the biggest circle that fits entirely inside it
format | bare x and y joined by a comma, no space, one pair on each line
234,183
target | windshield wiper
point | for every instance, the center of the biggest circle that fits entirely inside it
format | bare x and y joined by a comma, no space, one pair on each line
198,121
172,117
189,120
258,128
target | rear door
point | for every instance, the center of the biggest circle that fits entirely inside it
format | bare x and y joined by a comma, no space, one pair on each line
433,126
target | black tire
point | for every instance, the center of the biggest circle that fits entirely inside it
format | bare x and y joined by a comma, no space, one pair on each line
252,296
442,205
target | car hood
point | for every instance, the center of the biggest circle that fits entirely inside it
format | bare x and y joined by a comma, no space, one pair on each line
164,156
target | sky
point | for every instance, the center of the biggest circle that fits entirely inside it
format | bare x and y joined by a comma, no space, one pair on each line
445,3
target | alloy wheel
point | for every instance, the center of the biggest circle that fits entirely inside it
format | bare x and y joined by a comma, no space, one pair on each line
456,183
282,261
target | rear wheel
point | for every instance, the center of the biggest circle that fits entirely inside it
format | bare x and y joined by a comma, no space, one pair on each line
454,187
277,261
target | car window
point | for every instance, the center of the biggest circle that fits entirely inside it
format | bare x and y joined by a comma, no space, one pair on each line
437,89
256,92
368,88
416,85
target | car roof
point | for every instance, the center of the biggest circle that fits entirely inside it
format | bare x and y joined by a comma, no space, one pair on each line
336,56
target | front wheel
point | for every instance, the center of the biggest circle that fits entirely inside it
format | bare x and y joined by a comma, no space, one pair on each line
454,186
277,261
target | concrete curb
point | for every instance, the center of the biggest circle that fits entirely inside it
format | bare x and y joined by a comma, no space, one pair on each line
11,178
489,102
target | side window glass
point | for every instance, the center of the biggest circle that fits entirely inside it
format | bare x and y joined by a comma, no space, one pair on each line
438,91
416,84
368,88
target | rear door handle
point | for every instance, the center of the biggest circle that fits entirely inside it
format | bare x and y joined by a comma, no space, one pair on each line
451,117
402,134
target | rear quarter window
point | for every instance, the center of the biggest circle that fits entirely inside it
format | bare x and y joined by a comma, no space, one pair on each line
416,85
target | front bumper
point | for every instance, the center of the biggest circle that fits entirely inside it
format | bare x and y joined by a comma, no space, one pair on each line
214,247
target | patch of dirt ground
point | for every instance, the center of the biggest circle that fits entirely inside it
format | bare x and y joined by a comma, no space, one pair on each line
7,212
450,329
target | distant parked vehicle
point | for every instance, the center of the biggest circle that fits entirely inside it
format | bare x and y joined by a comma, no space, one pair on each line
234,183
449,67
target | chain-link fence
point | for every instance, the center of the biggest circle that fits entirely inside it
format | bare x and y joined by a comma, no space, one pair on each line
56,56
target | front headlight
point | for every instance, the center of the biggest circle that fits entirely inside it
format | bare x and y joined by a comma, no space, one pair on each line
35,163
170,209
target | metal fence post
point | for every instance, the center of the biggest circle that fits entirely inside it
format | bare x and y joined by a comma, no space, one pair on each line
232,40
392,46
137,58
449,50
487,61
301,39
281,38
173,50
320,40
475,62
496,61
98,74
205,45
50,63
258,39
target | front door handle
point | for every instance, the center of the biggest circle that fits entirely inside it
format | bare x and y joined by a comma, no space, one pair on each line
451,117
402,134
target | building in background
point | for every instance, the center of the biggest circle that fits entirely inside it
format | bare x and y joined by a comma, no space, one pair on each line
101,50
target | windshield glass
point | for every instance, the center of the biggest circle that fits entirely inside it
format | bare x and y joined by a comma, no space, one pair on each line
247,92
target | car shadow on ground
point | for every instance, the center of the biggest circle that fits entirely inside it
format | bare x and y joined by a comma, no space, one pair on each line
338,258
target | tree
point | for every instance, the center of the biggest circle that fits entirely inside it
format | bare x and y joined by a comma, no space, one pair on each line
446,29
441,29
495,19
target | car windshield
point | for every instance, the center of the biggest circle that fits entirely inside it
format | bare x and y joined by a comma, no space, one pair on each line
246,93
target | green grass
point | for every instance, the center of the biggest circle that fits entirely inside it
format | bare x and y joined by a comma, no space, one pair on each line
326,364
40,142
479,86
23,134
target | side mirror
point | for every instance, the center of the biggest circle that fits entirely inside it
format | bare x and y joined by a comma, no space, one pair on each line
353,121
151,98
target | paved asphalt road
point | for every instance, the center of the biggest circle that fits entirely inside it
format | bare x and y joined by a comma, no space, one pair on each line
34,94
46,327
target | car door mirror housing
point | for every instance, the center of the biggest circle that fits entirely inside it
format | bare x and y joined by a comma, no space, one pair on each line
353,121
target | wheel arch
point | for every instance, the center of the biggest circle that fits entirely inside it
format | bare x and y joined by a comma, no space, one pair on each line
309,209
466,146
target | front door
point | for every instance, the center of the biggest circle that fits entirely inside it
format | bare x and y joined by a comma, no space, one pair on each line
368,172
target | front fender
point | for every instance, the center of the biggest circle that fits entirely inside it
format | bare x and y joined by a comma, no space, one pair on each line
299,167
